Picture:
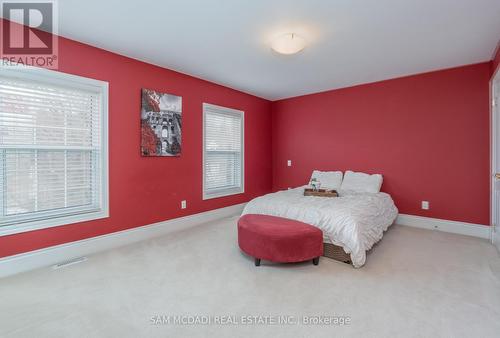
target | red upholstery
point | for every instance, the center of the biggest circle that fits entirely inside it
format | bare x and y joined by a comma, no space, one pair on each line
279,239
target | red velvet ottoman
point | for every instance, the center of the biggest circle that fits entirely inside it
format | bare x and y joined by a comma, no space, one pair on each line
279,239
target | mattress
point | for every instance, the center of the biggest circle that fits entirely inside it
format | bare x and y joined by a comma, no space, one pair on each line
354,221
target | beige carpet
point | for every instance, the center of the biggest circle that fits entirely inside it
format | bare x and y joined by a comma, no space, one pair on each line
416,283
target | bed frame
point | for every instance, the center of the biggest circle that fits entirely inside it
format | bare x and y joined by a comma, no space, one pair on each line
336,252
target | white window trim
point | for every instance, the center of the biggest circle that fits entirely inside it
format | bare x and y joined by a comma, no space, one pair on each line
225,192
63,79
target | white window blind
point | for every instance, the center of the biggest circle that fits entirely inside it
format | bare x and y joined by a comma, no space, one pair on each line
223,151
53,160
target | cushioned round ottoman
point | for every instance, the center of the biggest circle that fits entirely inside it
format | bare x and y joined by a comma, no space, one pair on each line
279,239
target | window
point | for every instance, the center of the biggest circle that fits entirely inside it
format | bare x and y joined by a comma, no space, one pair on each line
222,151
53,149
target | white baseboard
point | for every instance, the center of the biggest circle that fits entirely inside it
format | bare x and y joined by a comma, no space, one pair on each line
49,256
462,228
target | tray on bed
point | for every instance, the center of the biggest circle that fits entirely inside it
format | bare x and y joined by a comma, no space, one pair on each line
320,192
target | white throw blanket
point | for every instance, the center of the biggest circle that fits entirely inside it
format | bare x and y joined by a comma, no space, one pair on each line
354,221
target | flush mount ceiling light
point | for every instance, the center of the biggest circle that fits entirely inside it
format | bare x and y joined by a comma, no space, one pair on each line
288,44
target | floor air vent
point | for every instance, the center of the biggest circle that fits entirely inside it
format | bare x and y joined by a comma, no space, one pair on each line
69,262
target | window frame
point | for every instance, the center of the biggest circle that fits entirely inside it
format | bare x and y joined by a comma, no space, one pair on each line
77,82
227,111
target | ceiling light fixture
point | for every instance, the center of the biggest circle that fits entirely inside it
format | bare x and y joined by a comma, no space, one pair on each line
288,44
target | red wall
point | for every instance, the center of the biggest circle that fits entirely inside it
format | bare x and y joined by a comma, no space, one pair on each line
148,190
427,134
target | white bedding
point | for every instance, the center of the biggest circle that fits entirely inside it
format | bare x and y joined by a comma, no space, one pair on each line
354,221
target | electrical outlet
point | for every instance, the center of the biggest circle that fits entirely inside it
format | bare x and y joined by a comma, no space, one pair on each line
183,204
289,163
425,205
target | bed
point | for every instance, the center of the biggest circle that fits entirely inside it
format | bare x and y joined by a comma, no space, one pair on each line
354,221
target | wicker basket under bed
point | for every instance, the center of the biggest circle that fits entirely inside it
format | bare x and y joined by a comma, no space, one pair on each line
336,252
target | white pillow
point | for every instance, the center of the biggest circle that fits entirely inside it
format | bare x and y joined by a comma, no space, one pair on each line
328,179
361,182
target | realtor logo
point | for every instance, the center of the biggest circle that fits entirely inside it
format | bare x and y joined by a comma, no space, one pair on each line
29,33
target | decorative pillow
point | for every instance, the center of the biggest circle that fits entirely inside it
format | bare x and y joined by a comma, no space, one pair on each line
328,179
361,182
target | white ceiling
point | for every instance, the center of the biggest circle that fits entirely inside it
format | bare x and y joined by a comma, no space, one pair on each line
350,41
